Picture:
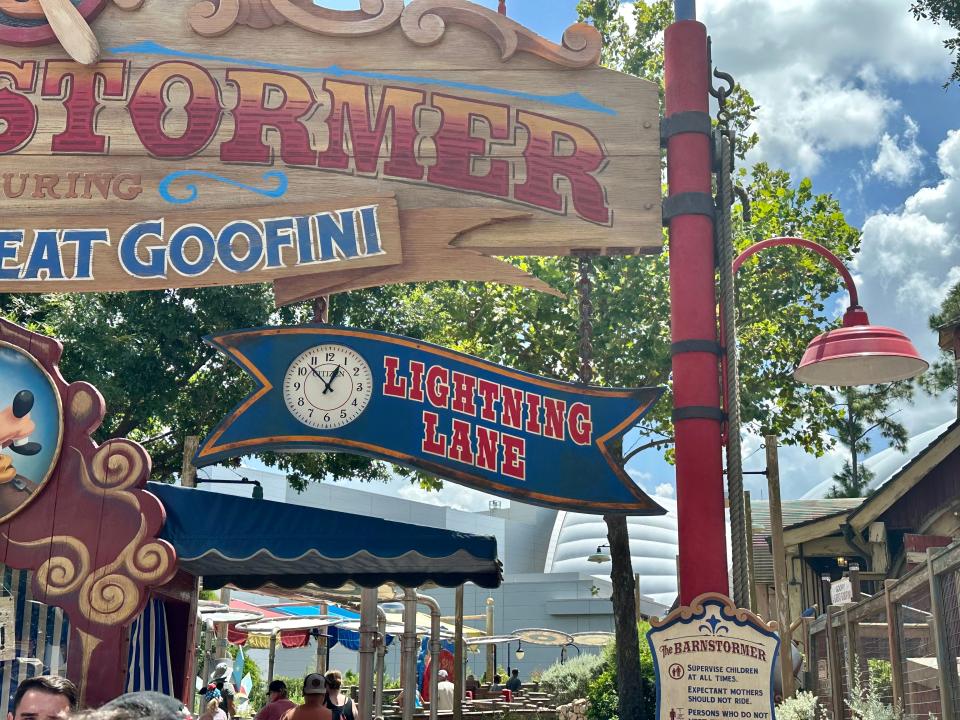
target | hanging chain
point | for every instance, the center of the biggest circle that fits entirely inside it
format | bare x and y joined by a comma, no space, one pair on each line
585,288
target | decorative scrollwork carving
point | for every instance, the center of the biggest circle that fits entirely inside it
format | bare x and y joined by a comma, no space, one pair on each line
424,22
211,18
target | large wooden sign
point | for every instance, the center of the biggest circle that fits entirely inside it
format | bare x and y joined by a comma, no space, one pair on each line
713,660
422,406
72,511
232,141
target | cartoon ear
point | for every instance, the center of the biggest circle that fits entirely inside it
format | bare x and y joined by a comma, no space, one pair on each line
22,403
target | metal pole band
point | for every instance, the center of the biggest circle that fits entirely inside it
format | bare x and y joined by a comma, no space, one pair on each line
688,346
698,412
689,121
688,203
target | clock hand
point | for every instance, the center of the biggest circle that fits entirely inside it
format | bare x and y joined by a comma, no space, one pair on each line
319,375
332,377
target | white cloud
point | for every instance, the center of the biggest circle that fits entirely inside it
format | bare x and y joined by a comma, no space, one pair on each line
818,70
664,490
899,158
451,496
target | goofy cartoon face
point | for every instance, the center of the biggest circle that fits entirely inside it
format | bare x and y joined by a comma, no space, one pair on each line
15,429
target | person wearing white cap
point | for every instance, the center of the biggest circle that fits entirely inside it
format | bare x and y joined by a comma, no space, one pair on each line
444,698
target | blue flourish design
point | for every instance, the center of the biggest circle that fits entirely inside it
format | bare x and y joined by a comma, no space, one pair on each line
713,622
277,176
570,100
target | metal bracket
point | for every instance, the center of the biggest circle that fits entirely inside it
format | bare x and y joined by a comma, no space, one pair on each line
699,412
689,121
688,203
688,346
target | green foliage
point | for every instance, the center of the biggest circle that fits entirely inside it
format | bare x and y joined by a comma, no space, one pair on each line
862,412
602,692
802,706
350,677
571,680
943,11
868,703
943,375
881,676
294,689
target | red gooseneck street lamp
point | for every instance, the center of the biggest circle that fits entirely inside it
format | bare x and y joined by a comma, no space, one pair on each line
855,354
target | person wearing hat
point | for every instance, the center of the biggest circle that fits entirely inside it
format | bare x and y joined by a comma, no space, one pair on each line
277,704
444,699
149,705
314,701
212,700
219,679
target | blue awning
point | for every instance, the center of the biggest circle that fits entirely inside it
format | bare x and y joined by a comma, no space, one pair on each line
252,543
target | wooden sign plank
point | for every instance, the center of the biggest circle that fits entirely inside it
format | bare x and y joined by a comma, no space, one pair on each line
197,248
441,103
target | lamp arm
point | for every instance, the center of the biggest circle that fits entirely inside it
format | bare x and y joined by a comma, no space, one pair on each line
809,245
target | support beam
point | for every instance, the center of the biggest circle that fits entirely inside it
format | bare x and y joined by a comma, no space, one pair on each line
458,680
893,641
408,657
946,660
779,566
368,629
435,649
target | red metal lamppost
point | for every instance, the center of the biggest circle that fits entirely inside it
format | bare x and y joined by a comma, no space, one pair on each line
855,354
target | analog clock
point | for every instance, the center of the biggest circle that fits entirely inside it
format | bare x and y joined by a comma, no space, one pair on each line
327,386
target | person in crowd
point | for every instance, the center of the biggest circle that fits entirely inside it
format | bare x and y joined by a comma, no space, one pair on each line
514,684
45,697
211,708
342,707
444,699
220,679
146,705
495,686
417,702
471,684
277,702
314,701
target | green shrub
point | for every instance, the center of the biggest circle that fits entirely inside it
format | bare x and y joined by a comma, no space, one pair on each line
881,677
602,692
570,680
802,706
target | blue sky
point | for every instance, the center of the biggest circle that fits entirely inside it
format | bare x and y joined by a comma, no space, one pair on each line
850,95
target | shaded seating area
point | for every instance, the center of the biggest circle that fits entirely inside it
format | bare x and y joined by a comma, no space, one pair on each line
284,549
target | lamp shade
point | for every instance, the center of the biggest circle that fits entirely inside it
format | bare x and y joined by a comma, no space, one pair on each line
859,354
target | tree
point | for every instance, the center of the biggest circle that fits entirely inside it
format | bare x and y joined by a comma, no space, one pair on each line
864,412
943,11
944,375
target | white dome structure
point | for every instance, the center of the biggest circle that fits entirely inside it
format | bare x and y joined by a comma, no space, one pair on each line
886,463
653,547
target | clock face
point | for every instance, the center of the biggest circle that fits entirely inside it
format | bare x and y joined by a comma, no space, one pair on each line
327,386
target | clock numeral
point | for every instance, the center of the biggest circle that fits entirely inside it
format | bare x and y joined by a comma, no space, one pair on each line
299,402
356,371
314,360
359,387
354,403
311,412
330,357
301,371
296,386
326,418
343,413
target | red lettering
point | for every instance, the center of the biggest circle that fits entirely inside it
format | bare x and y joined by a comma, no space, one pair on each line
150,104
489,394
514,449
394,386
579,424
416,380
464,387
533,413
82,90
512,407
460,443
554,414
547,159
438,389
458,149
17,112
253,116
350,105
487,445
434,442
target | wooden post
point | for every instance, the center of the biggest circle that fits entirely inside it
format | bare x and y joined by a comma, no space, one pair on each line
779,566
853,627
946,660
748,521
458,656
825,591
853,657
272,658
855,581
636,599
188,473
833,663
893,638
322,640
491,649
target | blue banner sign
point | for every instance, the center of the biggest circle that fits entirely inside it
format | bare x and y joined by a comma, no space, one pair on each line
425,407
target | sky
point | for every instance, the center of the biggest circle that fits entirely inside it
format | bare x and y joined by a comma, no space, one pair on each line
851,95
